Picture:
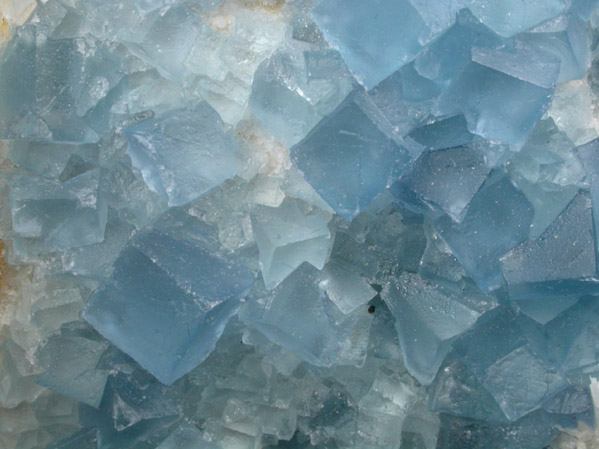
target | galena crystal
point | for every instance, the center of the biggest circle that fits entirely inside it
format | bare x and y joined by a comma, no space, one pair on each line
262,224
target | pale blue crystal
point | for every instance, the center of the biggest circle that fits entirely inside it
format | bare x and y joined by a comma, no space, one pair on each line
569,42
186,437
507,353
547,171
442,60
573,335
480,87
157,285
496,220
514,16
560,259
297,224
589,156
71,363
84,439
545,309
428,317
50,159
184,153
59,215
294,89
43,110
397,32
299,316
287,236
168,42
460,170
458,392
348,159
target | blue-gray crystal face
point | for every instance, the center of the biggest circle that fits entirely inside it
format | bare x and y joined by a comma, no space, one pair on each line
168,303
315,224
349,158
58,215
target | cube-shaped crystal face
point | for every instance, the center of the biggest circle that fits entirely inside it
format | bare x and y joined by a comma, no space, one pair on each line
348,159
243,224
183,293
184,153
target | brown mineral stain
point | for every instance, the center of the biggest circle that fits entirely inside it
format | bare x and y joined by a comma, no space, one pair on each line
272,6
6,274
4,30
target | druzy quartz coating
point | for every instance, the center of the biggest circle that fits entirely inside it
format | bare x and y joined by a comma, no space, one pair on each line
296,224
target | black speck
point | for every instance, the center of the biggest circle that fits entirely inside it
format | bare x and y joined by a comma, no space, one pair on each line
371,309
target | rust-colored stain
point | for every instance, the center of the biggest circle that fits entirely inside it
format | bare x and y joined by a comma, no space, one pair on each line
272,6
6,274
4,30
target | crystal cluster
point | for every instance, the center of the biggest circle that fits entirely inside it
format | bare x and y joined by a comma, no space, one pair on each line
327,224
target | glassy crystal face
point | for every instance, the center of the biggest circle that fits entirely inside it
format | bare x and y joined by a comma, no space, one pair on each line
184,153
284,224
156,287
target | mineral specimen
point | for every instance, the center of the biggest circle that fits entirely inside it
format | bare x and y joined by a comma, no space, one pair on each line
328,224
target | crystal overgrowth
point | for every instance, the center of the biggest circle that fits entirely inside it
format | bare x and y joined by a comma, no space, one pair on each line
261,224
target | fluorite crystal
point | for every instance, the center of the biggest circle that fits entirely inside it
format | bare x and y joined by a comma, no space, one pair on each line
295,224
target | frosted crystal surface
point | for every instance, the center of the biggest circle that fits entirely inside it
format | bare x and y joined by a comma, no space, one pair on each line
428,317
512,17
490,73
70,363
497,219
348,159
563,254
284,224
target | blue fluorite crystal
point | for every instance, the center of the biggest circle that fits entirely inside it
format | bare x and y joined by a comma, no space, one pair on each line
497,219
156,286
397,32
184,153
55,214
315,224
428,317
349,158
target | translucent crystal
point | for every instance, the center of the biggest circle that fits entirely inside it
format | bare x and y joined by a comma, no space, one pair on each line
43,110
299,316
287,236
496,220
348,159
569,42
184,153
558,258
547,170
293,90
514,16
70,364
199,306
507,354
460,170
372,60
428,317
186,437
316,224
59,214
478,86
